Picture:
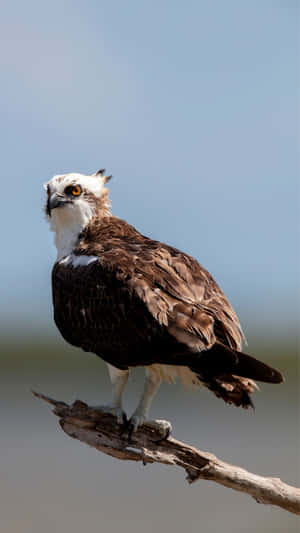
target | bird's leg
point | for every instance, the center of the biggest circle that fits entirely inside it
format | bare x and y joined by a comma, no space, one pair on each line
118,380
152,383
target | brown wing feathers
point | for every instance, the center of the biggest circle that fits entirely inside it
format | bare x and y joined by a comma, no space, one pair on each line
185,302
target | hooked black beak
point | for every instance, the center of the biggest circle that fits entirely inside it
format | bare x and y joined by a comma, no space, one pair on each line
56,200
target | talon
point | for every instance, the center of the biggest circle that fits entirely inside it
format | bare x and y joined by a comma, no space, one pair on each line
133,424
165,437
131,429
124,426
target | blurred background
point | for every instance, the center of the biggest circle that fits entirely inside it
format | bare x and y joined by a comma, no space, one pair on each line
193,107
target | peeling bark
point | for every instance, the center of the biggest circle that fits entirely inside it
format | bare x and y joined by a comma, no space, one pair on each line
101,431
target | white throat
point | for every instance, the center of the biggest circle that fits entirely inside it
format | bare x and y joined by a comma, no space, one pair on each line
67,223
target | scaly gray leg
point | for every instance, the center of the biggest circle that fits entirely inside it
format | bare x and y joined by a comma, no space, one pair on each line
152,383
118,380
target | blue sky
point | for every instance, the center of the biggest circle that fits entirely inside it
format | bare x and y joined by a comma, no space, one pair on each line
193,107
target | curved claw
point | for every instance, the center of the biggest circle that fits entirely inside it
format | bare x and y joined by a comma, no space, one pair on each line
166,436
130,429
132,425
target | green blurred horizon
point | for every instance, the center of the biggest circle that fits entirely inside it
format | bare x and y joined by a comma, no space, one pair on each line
48,345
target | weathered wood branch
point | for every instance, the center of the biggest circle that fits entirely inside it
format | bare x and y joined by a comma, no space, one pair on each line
101,431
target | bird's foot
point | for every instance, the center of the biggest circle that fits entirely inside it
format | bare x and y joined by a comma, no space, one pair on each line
162,426
115,411
134,423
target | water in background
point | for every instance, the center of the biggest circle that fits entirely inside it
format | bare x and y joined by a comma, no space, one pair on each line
51,483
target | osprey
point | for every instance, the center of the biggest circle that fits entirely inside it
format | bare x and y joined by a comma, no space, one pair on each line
134,301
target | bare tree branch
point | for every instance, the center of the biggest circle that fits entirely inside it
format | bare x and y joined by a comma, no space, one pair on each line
101,431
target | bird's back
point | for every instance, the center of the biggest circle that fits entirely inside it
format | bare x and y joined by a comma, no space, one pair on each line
139,300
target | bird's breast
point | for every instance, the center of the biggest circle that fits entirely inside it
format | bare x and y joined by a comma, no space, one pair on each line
99,313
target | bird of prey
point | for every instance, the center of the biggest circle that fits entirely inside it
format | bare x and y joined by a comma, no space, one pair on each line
134,301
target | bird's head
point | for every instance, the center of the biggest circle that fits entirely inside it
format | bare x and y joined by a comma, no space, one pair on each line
74,199
71,196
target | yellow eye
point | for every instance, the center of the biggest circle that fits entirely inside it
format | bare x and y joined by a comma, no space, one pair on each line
76,191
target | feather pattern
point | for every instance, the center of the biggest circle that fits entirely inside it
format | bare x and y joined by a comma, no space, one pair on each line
146,303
